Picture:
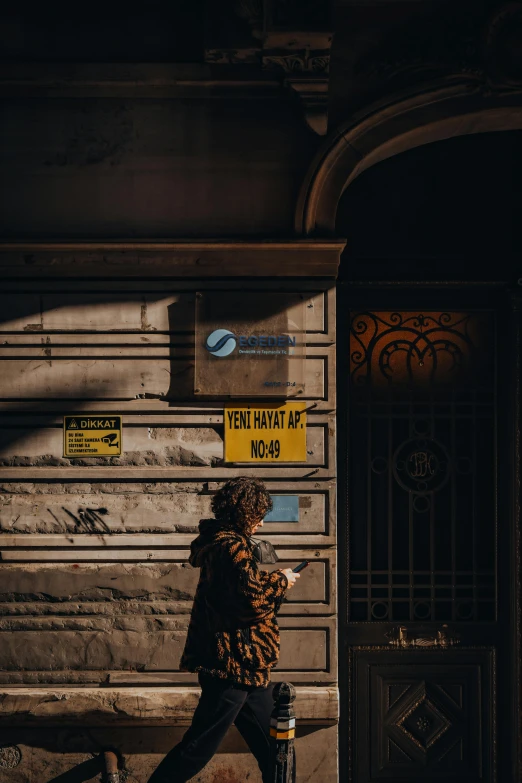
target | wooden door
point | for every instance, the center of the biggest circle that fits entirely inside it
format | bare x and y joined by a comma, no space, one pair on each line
425,637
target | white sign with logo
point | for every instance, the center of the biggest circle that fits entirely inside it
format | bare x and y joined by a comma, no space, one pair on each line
250,344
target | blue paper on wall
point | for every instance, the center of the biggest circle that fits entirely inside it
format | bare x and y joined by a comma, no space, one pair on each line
285,509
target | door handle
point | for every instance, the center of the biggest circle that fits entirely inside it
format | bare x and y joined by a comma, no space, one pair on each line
403,638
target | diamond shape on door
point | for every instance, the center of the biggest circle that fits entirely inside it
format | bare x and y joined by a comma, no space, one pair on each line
423,714
422,722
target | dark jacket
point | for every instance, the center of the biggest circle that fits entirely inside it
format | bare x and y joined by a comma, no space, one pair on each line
233,631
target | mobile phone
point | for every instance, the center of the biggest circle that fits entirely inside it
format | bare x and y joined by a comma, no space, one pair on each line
301,566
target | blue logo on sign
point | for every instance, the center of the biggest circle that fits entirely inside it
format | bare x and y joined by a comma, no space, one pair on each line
221,342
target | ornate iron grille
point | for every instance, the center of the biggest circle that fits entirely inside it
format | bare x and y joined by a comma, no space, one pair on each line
422,467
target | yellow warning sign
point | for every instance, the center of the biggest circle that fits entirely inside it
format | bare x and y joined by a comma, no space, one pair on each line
92,436
271,432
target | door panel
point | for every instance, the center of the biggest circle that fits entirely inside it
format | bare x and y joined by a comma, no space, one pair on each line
429,715
423,621
422,433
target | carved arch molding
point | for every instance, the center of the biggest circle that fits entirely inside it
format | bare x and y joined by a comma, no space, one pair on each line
433,112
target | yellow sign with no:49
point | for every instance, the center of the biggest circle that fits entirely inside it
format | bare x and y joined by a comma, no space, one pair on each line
271,432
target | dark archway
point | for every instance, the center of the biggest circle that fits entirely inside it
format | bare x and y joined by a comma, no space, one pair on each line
444,210
433,113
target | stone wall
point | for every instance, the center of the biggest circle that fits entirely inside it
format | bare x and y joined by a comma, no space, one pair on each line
95,588
126,152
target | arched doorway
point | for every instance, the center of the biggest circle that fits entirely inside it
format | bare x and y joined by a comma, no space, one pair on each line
453,107
429,466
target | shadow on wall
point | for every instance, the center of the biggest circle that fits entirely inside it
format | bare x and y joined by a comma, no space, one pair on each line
128,743
60,353
124,740
69,351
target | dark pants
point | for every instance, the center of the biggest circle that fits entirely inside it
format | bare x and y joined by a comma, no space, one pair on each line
221,704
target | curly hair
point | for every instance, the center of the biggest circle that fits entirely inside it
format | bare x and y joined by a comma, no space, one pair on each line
243,501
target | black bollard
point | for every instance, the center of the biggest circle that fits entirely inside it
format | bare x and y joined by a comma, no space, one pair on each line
282,733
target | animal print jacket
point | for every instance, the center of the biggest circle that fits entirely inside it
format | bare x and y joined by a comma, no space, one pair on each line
233,631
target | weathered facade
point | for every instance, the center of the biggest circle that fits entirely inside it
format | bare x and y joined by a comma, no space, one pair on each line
95,549
265,147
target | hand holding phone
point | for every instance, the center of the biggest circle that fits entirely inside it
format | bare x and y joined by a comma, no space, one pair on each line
291,577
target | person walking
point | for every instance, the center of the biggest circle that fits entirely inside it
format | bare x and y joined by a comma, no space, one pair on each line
233,635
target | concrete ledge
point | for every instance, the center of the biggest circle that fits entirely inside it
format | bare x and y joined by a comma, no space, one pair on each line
136,706
172,258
